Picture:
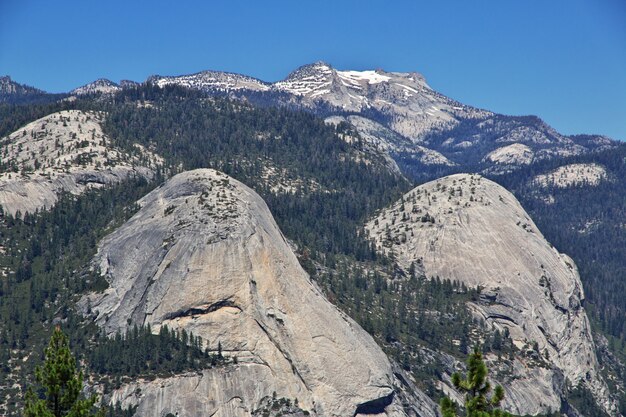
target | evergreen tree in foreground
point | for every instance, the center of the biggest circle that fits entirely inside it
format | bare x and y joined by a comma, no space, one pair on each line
476,388
62,383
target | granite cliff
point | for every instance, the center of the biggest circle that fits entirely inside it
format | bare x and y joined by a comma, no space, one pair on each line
469,229
205,255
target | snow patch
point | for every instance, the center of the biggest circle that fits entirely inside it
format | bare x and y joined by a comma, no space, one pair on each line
371,77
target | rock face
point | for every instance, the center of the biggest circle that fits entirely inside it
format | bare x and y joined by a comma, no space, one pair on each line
8,87
205,255
415,107
63,152
379,139
467,228
515,154
412,106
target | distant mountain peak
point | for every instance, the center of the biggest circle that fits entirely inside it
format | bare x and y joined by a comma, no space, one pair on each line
128,83
10,87
315,67
212,80
101,85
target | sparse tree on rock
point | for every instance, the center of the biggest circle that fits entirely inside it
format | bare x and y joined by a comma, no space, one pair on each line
476,388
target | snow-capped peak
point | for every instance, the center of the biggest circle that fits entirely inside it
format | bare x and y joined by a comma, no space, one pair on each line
308,80
415,107
317,69
319,79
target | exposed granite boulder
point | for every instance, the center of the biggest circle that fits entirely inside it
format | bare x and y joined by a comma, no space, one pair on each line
514,154
205,255
470,229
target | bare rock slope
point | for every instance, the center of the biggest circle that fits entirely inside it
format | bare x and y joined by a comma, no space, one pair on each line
205,255
467,228
100,86
63,152
572,175
379,139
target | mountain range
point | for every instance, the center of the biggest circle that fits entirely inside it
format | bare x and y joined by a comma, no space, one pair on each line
398,115
334,243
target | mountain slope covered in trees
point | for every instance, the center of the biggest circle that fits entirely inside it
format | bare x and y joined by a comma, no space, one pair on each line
321,182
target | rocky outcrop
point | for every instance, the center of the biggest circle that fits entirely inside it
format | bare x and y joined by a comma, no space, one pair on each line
100,86
205,255
400,115
402,102
212,80
470,229
411,106
378,139
515,154
63,152
572,175
8,87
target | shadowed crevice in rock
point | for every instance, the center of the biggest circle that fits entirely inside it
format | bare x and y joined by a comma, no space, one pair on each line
376,406
196,311
90,178
502,317
284,354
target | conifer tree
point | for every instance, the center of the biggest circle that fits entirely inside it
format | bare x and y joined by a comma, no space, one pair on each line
62,383
476,388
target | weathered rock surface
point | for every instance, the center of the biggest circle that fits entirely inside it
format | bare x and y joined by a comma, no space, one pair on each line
209,80
572,175
467,228
379,139
100,86
515,154
205,255
10,89
413,107
63,152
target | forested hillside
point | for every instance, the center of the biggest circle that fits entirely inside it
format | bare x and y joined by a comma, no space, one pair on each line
318,185
321,185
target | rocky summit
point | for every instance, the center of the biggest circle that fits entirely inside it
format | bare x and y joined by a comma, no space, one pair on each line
469,229
204,254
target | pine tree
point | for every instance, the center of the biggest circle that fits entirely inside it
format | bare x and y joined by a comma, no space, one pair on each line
476,388
62,383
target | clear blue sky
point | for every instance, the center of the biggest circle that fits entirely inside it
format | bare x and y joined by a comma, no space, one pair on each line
564,60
